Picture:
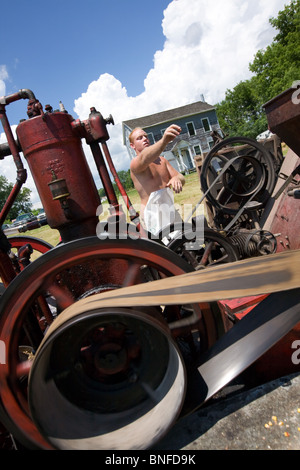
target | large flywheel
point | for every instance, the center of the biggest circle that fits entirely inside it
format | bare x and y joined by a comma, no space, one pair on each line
237,170
100,364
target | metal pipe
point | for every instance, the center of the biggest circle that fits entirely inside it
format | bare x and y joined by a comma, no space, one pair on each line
5,150
132,212
9,202
24,94
10,138
21,172
103,173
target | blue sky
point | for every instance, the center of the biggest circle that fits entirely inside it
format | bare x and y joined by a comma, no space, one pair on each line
56,48
127,58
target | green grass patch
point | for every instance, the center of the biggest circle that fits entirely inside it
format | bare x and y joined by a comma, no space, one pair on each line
190,195
45,233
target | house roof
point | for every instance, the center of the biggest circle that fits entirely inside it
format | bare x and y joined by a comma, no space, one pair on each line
169,115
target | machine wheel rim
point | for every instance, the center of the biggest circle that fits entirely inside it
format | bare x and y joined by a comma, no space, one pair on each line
263,157
31,282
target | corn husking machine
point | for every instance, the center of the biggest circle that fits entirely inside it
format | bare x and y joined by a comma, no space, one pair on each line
106,341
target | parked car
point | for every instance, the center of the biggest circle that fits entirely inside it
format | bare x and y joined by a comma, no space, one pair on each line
41,215
24,219
5,226
264,135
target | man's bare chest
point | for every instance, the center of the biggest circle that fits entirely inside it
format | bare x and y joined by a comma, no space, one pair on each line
158,170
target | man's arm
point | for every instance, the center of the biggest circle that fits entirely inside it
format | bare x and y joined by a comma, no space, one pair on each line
149,154
177,180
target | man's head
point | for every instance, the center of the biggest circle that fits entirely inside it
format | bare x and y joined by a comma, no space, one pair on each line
138,139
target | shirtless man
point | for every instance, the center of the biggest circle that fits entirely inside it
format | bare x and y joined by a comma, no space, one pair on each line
151,173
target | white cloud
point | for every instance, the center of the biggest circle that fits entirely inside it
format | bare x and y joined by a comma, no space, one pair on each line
207,51
9,170
3,72
3,76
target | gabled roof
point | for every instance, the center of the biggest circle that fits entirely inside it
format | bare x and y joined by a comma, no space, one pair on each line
169,115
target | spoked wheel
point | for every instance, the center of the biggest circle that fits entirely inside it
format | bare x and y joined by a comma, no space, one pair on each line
98,354
249,175
28,248
41,246
202,250
31,248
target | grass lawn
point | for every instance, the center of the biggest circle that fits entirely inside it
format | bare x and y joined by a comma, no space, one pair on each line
190,196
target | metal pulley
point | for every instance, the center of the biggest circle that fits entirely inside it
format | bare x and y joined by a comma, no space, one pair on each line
122,381
254,242
234,170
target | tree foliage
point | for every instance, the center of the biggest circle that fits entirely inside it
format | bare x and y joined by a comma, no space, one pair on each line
126,181
274,69
22,202
240,113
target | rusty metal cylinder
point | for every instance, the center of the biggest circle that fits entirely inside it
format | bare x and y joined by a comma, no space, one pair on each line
283,114
61,173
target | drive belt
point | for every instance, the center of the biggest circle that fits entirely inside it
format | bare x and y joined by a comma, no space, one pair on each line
277,275
262,275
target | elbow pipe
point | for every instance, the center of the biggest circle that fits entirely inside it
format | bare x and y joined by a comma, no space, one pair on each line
21,94
25,93
5,149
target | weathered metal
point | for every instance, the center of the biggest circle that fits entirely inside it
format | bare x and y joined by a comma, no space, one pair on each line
110,367
283,113
282,211
55,157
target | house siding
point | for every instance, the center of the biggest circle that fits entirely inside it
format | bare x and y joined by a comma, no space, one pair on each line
179,152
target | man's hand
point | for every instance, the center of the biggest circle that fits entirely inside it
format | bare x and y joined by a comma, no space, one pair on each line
147,154
170,133
176,184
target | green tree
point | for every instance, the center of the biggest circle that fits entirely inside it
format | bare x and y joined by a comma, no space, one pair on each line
125,179
240,114
22,202
275,69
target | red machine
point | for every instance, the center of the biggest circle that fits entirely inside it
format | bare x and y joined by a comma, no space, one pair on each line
77,375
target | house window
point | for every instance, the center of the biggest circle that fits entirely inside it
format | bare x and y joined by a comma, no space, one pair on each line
206,124
151,138
197,150
132,152
210,142
191,128
162,132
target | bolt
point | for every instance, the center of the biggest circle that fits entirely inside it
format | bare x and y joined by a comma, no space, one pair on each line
133,377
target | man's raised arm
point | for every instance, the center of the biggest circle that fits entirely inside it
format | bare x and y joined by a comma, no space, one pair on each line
148,153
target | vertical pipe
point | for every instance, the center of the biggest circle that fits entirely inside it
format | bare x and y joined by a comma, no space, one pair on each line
132,212
21,172
103,173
